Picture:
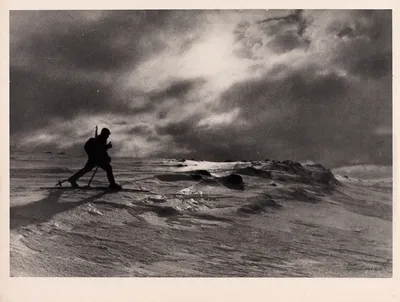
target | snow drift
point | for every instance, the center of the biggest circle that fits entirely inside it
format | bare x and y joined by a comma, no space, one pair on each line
196,218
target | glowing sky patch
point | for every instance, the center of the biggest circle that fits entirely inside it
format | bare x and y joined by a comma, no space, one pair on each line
205,84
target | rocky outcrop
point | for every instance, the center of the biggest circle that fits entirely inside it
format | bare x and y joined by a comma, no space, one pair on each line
233,181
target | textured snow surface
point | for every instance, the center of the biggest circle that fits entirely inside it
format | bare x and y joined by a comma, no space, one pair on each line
192,218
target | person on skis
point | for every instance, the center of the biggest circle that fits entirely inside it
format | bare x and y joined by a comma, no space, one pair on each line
96,148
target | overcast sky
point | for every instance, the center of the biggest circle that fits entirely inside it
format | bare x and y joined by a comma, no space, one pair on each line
216,85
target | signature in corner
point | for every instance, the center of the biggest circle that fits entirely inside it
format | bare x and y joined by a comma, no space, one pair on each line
361,266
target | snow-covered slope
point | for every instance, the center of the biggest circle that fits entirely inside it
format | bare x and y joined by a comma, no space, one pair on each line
366,171
189,218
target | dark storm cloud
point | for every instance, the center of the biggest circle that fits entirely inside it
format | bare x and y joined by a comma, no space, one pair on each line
286,33
293,17
183,128
374,24
297,132
307,88
290,109
375,65
35,98
306,112
121,123
312,111
367,48
220,144
162,101
119,39
177,89
346,32
364,58
142,130
55,55
287,41
301,87
294,20
330,101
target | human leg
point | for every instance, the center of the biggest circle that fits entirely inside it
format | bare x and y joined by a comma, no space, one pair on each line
87,168
110,175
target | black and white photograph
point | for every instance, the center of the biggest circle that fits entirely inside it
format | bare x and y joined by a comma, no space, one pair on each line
201,143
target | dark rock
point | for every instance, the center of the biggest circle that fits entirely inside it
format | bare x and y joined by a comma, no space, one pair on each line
202,172
316,166
173,177
251,171
325,177
287,166
199,174
233,181
196,176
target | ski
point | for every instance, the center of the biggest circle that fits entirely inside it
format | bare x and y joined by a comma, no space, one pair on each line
94,189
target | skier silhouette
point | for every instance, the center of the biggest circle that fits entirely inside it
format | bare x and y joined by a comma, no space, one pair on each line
96,148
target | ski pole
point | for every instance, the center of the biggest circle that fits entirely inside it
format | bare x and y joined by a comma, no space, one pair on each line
92,176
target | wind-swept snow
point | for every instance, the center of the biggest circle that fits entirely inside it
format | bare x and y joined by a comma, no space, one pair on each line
193,218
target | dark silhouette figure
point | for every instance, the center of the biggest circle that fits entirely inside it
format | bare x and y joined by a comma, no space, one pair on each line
96,148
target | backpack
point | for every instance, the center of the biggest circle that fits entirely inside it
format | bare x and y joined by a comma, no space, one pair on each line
90,146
